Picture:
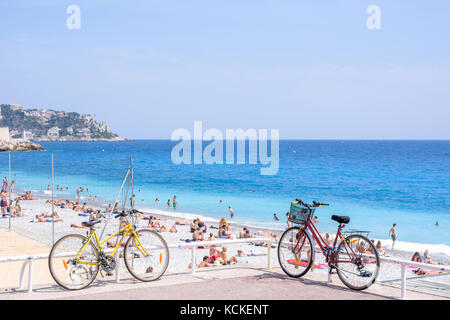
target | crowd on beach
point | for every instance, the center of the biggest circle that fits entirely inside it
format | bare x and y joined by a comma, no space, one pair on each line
218,255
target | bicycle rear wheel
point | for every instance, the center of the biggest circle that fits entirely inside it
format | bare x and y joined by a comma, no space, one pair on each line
147,256
357,262
65,270
295,252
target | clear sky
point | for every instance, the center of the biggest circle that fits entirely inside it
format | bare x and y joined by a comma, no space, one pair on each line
309,68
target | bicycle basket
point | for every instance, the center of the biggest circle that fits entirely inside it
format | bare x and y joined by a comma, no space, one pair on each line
299,213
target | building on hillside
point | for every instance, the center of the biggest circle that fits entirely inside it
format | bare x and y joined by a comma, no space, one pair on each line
53,133
103,126
4,133
27,135
84,132
69,130
16,107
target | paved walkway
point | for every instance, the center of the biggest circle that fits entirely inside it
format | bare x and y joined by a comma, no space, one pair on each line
237,283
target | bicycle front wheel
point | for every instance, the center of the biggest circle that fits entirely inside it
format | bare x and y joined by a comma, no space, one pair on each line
295,252
66,270
357,262
146,256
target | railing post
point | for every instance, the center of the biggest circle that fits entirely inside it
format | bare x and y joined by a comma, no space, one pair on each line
22,271
269,255
194,249
403,295
30,275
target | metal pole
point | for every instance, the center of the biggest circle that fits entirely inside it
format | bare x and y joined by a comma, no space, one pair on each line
53,211
9,193
30,275
132,183
403,281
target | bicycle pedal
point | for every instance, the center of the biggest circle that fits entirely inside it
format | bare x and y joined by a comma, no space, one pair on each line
109,274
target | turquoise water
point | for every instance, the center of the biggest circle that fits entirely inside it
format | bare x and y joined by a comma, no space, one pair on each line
376,183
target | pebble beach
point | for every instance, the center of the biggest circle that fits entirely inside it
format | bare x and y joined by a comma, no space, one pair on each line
31,237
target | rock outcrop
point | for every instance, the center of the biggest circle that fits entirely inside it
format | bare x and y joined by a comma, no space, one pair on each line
19,146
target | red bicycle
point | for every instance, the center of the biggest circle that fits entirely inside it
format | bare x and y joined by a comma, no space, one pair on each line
355,259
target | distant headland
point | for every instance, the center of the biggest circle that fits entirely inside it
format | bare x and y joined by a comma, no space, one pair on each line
22,125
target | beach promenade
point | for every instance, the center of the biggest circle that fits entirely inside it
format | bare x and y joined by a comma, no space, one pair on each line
246,280
232,283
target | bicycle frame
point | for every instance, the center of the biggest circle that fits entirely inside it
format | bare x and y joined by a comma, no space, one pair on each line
128,229
309,225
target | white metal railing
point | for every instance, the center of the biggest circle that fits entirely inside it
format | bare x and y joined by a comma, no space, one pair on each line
28,259
404,264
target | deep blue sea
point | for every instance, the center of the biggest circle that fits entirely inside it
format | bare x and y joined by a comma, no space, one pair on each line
376,183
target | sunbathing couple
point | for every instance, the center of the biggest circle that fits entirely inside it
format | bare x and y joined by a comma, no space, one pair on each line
47,217
425,258
197,224
154,223
216,258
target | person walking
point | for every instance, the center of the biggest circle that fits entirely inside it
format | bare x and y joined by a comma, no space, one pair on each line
231,212
393,234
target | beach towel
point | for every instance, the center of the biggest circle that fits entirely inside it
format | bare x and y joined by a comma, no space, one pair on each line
78,226
303,264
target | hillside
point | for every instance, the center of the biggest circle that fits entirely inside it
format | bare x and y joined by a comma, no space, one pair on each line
46,124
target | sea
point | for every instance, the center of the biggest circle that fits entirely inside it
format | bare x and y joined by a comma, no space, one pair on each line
375,183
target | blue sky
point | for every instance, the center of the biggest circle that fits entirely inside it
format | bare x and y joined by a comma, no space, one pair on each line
309,68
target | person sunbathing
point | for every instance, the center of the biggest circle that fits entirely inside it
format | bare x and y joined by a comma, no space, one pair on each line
173,229
380,249
241,253
153,222
247,234
242,233
214,254
202,264
223,233
42,218
224,259
198,235
268,234
182,223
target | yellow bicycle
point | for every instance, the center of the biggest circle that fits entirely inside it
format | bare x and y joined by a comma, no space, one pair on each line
75,260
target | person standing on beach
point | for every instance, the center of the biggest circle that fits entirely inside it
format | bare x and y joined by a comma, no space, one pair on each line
3,201
78,194
174,201
12,185
168,203
393,234
231,212
5,184
132,201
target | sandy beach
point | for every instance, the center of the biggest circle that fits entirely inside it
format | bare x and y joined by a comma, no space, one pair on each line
30,237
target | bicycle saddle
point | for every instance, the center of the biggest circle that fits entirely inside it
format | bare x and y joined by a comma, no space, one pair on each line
89,223
341,219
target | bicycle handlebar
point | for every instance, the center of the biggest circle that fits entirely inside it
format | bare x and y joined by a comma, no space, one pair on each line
314,204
